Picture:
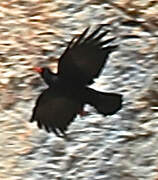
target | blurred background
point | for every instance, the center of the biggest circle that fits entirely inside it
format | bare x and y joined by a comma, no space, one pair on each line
123,146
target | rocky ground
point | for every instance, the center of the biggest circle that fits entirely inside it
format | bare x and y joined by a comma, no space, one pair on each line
123,146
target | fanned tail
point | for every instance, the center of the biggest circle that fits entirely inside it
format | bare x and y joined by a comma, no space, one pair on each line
105,103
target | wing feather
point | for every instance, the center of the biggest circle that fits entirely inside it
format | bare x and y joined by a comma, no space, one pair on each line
55,113
84,59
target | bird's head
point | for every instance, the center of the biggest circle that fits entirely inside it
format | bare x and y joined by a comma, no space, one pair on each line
48,76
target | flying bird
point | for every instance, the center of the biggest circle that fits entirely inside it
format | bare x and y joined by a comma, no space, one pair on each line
68,89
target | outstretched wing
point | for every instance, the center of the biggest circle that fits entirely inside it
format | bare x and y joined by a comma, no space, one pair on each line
85,56
54,113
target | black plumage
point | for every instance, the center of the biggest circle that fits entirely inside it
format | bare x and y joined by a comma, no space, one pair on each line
67,93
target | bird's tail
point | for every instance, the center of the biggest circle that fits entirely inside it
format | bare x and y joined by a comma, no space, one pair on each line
105,103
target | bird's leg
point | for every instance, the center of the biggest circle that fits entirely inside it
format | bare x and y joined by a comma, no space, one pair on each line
83,113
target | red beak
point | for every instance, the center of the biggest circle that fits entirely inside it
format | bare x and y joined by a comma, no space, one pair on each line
38,69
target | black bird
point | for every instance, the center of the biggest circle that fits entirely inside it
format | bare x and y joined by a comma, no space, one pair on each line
67,93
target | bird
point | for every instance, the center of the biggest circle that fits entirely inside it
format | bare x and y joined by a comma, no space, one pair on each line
68,89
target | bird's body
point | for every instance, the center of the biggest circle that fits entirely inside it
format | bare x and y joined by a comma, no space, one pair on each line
82,61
